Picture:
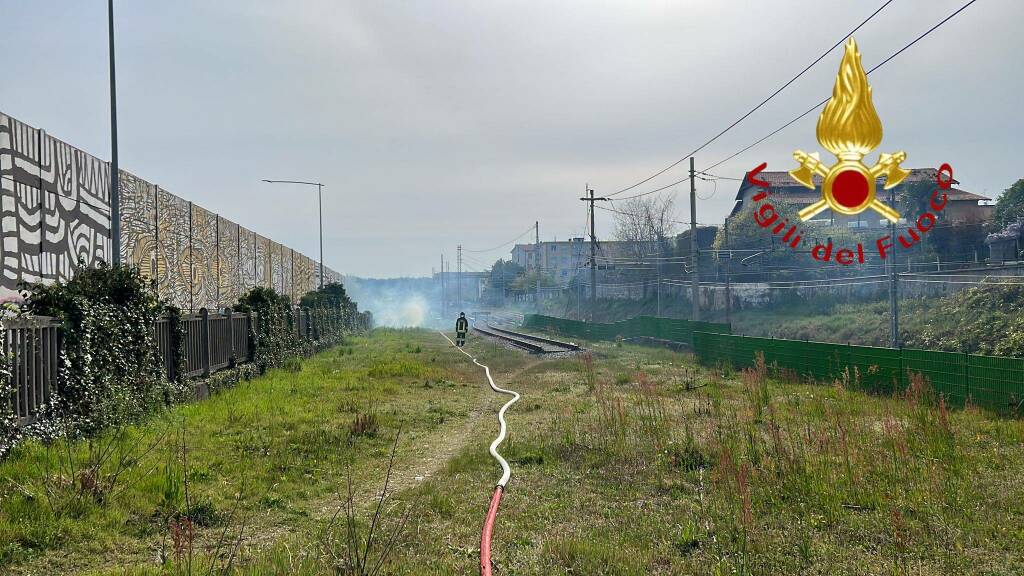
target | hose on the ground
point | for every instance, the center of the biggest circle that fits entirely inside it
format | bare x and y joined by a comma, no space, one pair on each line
506,472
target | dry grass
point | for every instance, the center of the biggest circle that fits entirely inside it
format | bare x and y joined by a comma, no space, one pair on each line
627,460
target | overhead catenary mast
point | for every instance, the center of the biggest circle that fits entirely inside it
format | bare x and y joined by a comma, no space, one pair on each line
593,250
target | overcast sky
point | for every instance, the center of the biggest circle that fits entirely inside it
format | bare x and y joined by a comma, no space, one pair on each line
437,123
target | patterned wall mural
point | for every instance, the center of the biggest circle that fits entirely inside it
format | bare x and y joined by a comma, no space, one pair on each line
55,212
54,207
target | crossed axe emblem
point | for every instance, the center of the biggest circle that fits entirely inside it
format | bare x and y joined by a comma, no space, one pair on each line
849,185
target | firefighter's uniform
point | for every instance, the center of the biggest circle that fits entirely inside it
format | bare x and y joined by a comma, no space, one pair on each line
461,327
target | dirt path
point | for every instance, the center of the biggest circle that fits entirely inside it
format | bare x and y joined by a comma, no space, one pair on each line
441,446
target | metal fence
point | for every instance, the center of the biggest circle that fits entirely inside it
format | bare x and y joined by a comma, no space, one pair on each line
32,347
988,381
211,341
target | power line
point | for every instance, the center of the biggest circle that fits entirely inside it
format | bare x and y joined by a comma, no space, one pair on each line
666,187
819,104
503,244
755,108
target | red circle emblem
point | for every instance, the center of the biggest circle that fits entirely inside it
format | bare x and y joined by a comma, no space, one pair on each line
850,189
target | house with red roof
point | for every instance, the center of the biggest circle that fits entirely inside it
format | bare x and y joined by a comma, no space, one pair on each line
964,207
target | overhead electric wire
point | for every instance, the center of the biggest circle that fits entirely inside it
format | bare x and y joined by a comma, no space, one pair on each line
503,244
816,106
666,187
755,108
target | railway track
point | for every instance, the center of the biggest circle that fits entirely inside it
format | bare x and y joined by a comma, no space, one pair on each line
530,342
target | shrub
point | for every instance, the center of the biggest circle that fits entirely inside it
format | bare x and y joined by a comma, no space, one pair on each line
109,371
9,430
272,336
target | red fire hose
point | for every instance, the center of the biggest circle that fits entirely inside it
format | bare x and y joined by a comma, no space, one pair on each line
485,537
506,472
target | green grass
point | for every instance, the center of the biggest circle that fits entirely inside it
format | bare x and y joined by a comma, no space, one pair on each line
630,461
270,453
744,475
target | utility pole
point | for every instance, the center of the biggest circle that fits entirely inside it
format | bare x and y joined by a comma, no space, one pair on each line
695,257
536,231
593,250
661,253
894,303
458,278
115,185
444,313
728,275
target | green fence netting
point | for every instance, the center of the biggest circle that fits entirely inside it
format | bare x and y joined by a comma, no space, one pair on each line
987,381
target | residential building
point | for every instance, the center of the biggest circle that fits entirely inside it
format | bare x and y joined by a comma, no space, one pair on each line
963,207
559,259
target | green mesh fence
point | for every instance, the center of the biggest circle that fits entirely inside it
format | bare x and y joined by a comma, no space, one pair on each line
987,381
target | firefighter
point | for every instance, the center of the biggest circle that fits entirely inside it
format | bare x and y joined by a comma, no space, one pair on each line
461,327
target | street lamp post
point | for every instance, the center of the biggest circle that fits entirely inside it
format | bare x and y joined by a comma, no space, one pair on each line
115,186
320,211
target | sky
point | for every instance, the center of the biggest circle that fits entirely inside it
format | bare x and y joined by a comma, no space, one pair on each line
439,123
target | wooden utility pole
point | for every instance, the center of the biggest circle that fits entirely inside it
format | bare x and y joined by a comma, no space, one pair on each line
695,257
593,250
444,313
458,278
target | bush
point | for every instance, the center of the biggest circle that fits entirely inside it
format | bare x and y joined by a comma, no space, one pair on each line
9,431
272,336
109,371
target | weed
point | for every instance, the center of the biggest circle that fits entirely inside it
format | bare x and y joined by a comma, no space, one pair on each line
363,425
292,364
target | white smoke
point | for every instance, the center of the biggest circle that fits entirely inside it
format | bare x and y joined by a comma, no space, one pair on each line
408,312
396,303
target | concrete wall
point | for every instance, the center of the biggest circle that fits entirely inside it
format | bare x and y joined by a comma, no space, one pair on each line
55,212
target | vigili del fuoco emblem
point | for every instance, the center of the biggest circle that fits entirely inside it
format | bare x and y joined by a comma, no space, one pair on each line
850,128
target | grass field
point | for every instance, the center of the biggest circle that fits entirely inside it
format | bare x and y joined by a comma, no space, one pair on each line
626,460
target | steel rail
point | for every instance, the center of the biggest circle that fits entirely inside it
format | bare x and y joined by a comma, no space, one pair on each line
569,346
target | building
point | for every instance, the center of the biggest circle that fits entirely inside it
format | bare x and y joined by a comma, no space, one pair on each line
563,260
559,259
469,286
963,207
1007,244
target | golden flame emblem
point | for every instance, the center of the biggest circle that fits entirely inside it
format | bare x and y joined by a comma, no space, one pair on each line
850,128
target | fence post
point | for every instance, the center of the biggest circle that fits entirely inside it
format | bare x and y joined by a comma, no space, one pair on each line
232,360
204,340
967,378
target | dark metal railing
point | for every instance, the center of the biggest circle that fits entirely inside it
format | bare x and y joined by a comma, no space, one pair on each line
31,347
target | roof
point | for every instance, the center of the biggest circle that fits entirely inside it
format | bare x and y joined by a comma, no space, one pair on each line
781,184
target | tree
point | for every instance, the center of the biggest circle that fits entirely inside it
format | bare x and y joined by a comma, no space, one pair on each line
1010,205
331,295
503,272
645,223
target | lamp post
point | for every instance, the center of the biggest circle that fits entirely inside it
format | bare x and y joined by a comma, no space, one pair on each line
115,186
320,211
